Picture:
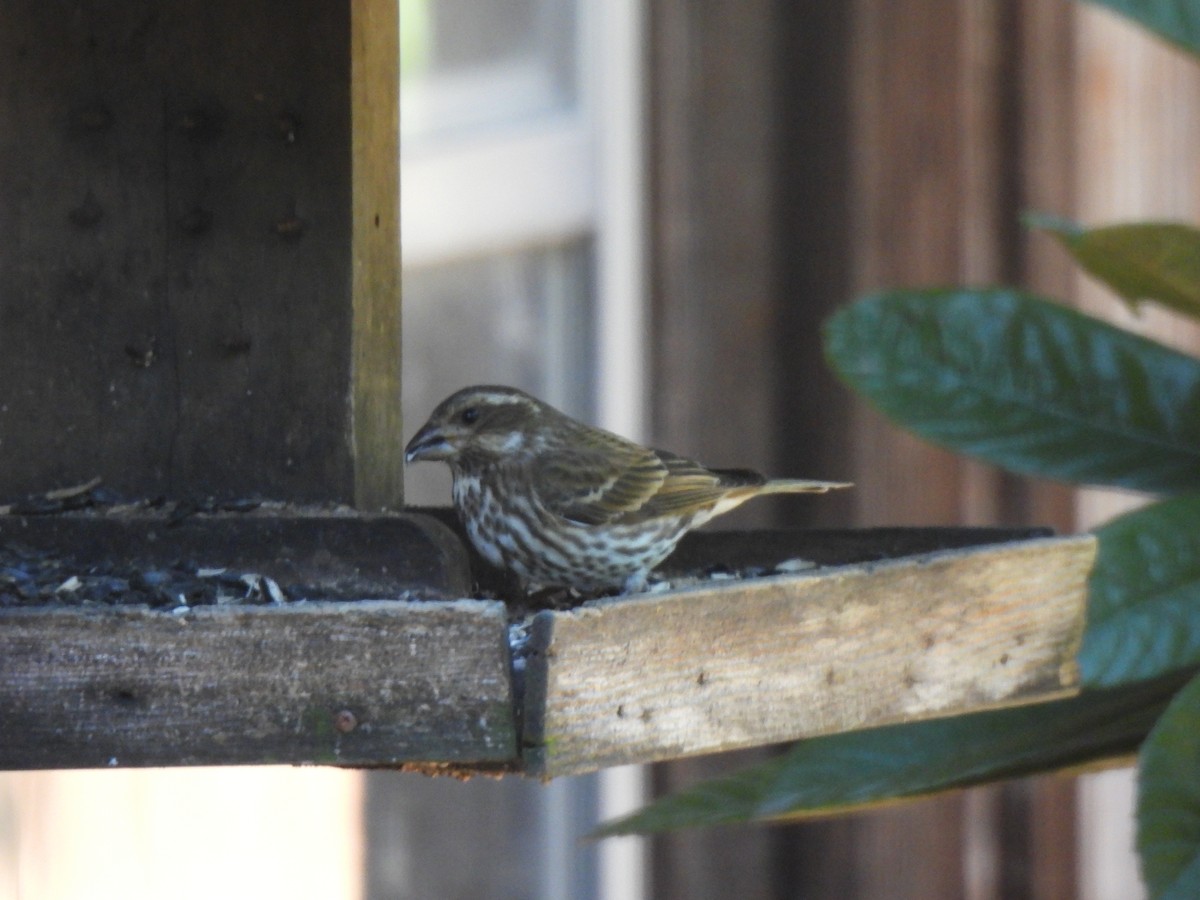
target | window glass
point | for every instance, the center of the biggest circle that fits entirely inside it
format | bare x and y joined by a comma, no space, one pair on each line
520,318
467,65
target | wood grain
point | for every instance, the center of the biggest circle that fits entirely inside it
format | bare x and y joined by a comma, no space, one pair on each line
375,351
775,659
375,682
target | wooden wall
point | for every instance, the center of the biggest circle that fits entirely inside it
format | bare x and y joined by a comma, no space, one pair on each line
713,292
804,154
175,247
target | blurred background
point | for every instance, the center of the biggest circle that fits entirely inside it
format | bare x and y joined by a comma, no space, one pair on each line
642,213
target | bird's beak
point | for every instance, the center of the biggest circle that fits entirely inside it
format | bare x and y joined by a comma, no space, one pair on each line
428,444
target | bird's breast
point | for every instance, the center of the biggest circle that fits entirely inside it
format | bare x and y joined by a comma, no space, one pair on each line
479,513
512,530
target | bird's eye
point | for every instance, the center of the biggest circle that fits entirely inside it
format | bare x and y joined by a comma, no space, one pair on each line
470,415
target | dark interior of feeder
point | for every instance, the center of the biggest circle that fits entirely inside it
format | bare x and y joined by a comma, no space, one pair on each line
271,553
85,547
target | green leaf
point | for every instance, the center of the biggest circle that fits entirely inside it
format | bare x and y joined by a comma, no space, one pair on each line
1025,384
1176,20
1157,261
1184,887
1144,595
904,761
1169,799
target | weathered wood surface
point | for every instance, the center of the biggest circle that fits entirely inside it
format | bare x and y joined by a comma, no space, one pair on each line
368,683
767,660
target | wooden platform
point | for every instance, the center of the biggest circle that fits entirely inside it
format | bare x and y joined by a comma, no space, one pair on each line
401,666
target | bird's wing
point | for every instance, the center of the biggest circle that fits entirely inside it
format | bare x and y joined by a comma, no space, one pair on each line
690,486
606,479
616,480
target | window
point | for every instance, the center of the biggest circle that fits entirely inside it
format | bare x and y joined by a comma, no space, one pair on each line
498,205
521,231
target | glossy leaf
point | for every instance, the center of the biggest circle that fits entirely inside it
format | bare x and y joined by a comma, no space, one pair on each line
1176,20
1025,384
1169,799
855,769
1144,595
1158,261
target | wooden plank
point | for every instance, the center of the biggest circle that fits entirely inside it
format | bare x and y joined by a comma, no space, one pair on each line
255,340
83,244
907,202
811,412
423,681
375,341
177,196
843,647
374,682
774,659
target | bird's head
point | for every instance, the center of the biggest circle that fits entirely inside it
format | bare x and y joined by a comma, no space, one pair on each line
479,423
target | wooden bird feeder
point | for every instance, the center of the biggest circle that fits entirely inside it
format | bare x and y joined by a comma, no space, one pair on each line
199,261
895,625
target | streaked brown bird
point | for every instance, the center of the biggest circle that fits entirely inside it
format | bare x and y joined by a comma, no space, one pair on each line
563,504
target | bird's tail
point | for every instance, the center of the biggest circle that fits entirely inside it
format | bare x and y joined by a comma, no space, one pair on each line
800,486
736,496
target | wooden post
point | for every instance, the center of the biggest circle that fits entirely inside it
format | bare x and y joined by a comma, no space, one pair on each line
375,353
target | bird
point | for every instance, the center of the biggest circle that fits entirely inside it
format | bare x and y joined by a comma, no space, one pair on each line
563,504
